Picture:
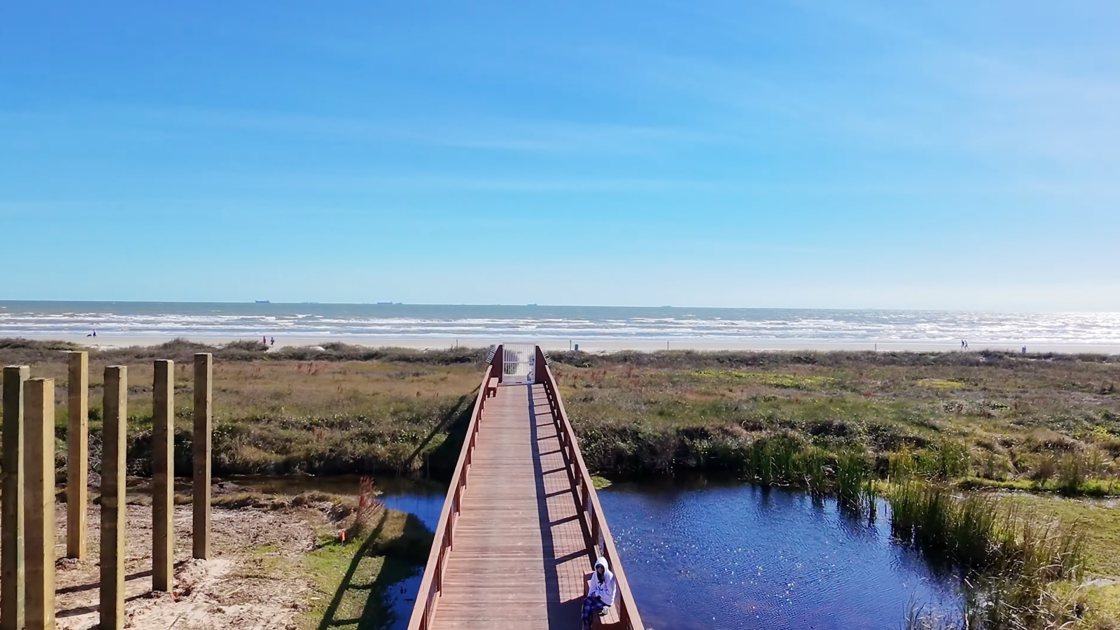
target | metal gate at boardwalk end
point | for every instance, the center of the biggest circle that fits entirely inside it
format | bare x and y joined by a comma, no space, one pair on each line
519,363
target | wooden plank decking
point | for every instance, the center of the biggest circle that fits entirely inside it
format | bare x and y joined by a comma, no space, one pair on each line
520,551
522,524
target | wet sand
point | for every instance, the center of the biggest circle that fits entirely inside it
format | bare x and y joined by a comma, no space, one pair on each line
614,345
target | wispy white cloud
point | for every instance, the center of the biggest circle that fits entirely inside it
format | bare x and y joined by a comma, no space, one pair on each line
924,94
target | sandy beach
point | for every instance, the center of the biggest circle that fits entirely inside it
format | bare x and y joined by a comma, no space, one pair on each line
609,345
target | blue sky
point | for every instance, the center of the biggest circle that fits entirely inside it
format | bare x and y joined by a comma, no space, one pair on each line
955,155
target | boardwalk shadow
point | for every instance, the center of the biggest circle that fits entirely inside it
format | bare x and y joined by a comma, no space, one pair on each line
96,585
440,462
85,610
561,614
365,598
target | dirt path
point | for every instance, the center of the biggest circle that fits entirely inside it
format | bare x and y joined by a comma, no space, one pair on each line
253,581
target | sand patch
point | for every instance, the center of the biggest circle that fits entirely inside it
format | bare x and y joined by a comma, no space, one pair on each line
254,580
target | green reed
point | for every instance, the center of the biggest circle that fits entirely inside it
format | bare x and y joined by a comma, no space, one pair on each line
1009,559
977,532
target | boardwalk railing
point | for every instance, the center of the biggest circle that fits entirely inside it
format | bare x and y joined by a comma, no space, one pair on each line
591,512
432,583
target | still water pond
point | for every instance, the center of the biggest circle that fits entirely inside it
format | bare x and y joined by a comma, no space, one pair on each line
726,556
732,556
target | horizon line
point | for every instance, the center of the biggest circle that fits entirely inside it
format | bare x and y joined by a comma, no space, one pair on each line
533,305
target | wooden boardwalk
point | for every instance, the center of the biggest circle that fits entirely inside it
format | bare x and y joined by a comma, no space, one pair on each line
519,534
520,549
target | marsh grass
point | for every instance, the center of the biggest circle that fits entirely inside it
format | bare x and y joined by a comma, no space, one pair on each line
832,423
274,416
941,383
1050,421
1010,559
938,416
977,532
1007,603
852,477
784,381
787,460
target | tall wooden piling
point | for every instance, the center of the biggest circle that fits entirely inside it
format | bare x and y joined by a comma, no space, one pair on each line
39,471
163,476
77,454
113,497
11,528
203,374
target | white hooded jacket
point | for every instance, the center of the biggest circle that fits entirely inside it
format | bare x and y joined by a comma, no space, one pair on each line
606,587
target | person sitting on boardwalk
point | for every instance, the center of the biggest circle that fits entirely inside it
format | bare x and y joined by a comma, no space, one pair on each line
600,593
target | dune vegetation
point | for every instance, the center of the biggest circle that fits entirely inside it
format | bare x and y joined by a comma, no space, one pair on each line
991,463
975,419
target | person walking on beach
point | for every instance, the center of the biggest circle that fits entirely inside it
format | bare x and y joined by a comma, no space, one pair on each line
272,341
601,590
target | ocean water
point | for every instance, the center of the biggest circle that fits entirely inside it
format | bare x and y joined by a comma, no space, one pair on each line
511,323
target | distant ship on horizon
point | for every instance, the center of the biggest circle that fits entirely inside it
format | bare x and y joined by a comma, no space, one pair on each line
263,302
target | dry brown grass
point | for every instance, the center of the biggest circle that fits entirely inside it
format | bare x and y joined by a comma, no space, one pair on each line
1051,422
284,416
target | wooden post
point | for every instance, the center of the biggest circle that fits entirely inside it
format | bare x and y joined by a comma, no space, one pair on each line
11,529
113,517
499,362
539,365
163,476
77,454
203,373
39,471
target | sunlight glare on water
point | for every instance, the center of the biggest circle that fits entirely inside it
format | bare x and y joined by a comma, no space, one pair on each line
739,557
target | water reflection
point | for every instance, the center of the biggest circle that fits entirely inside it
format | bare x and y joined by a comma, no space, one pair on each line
425,501
715,556
707,555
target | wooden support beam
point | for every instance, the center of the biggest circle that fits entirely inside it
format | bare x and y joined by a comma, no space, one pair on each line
163,477
77,454
498,362
113,515
12,594
39,471
203,375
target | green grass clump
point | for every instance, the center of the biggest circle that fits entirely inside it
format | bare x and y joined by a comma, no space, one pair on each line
940,383
785,381
351,578
1016,567
977,532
